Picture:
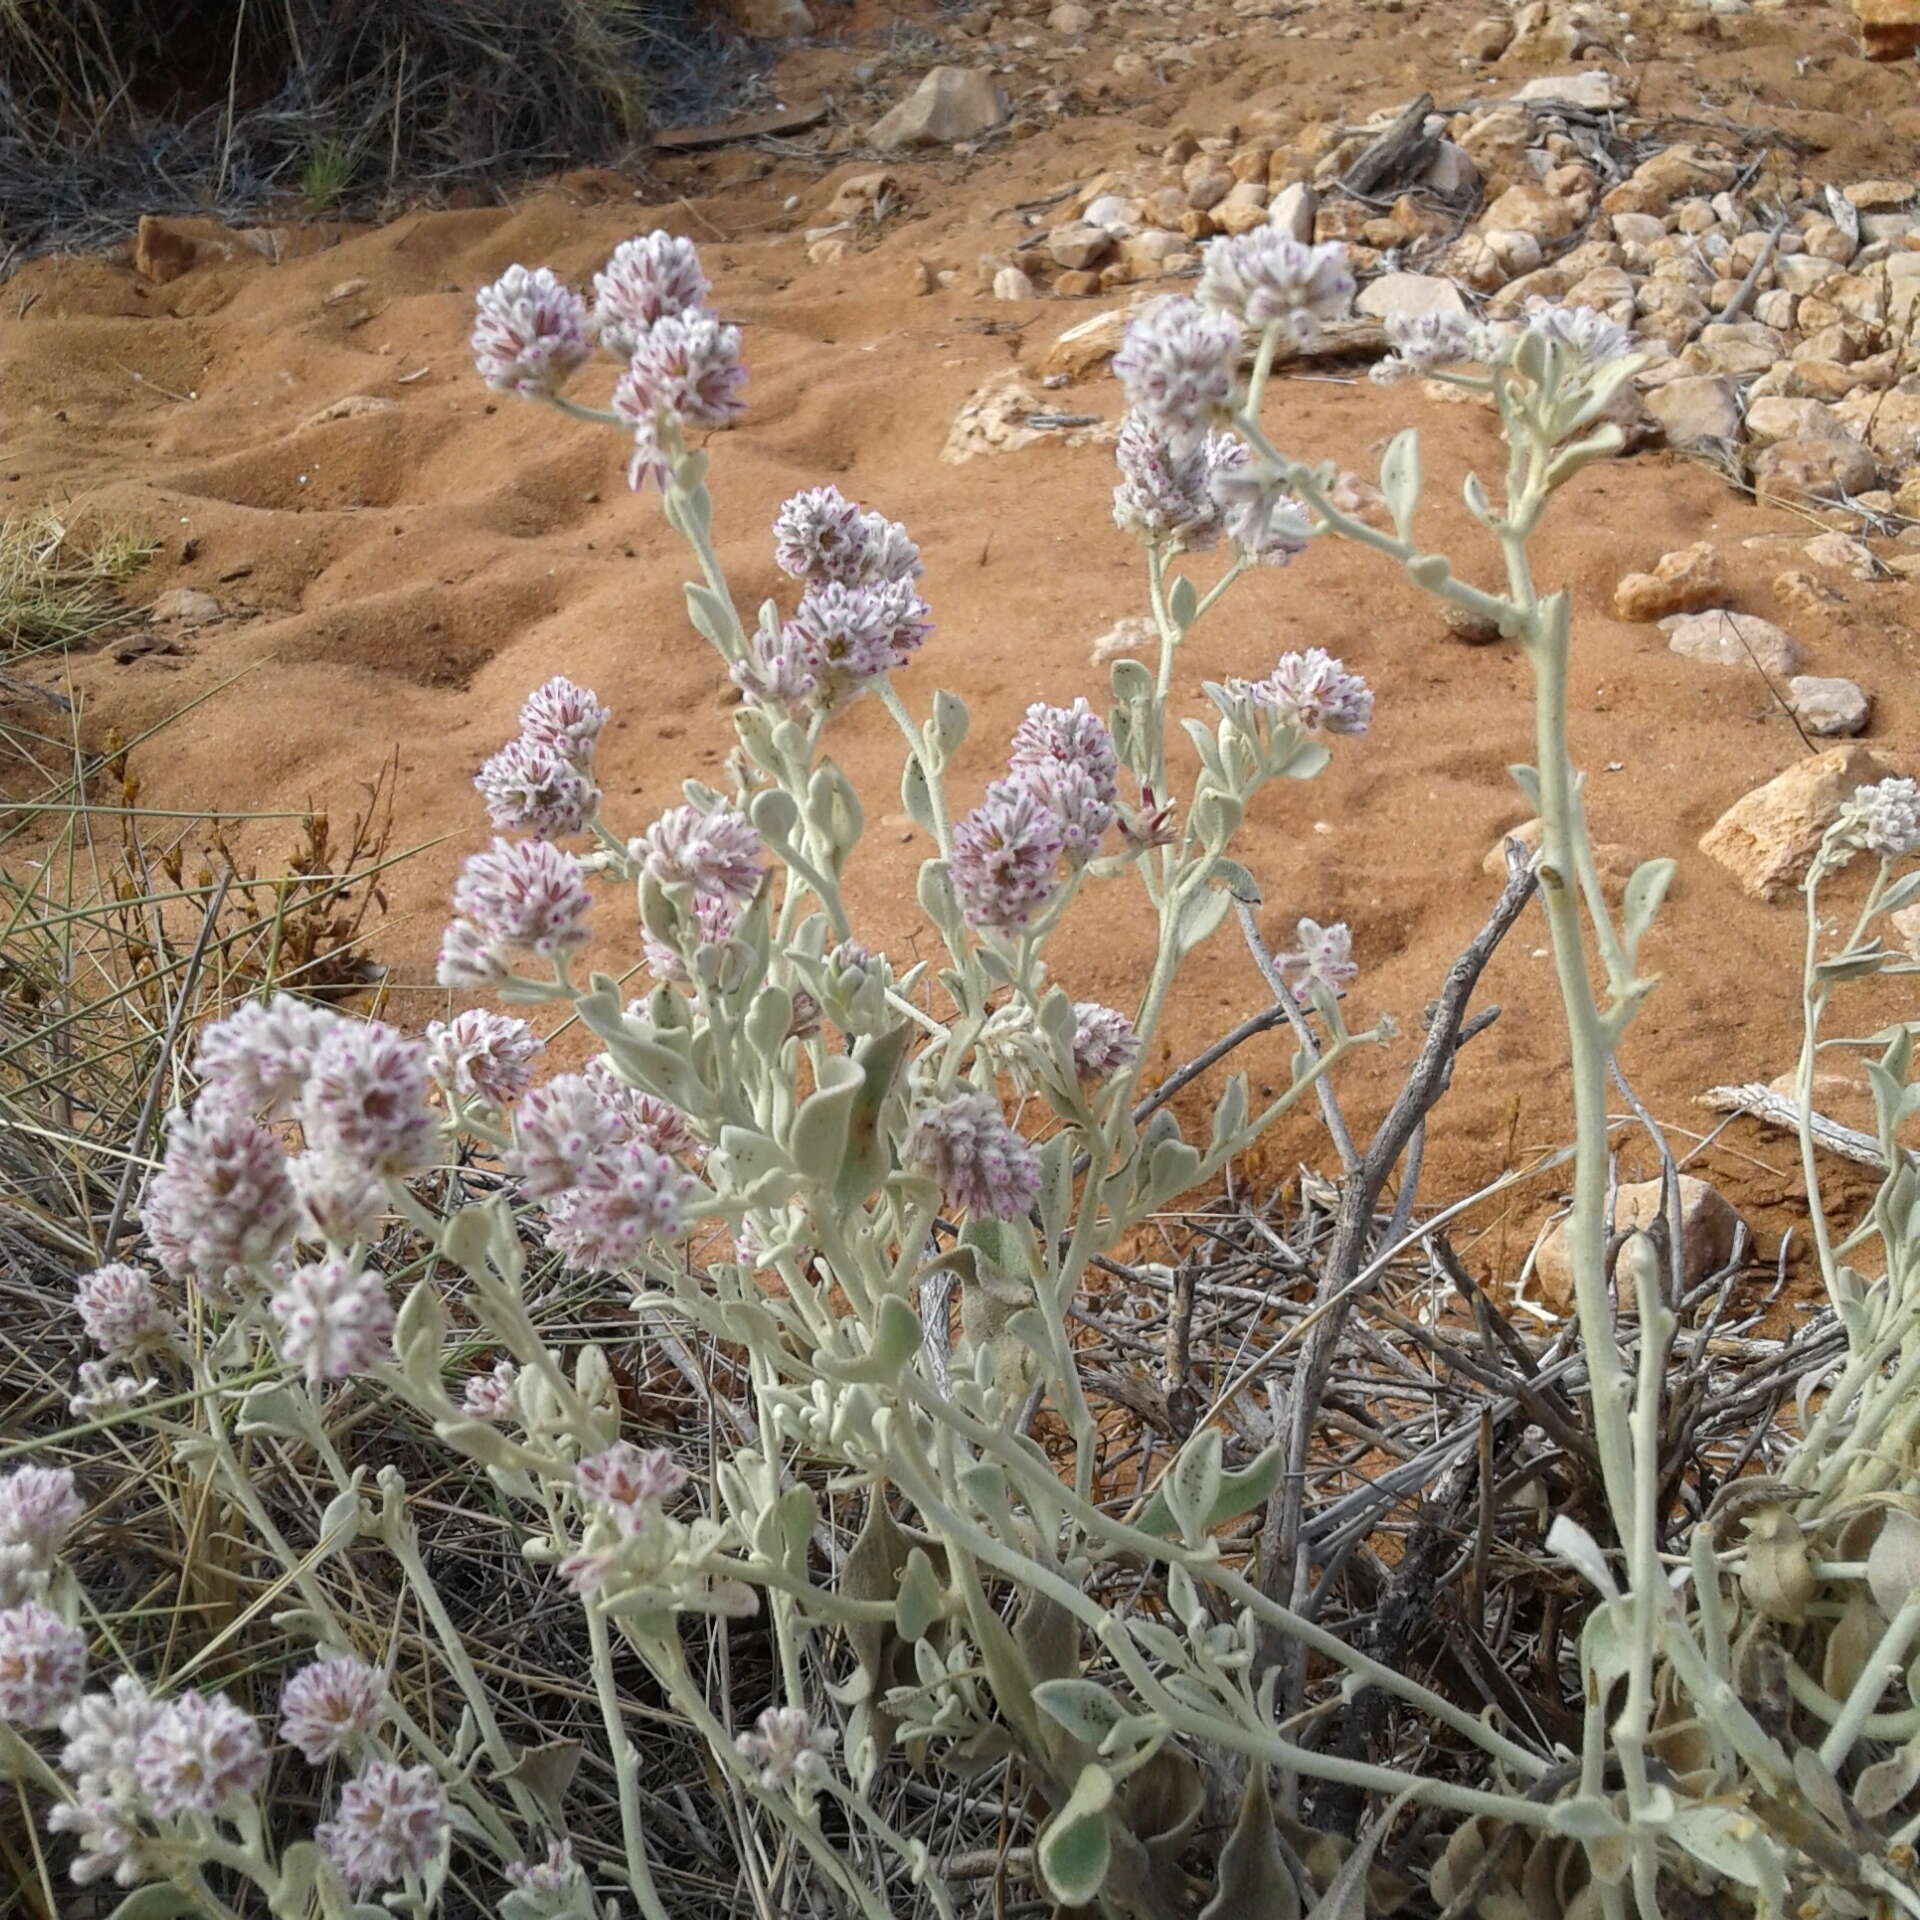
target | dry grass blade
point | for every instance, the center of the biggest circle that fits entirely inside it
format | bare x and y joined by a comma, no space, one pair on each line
59,582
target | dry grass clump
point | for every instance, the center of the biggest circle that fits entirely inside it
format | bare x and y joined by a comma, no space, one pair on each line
60,580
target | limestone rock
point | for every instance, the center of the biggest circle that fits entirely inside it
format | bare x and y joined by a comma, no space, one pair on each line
1530,210
1831,708
1709,1232
950,104
1614,862
1594,88
352,406
1687,581
1014,283
1088,343
1134,638
994,420
1724,638
1799,471
1244,209
1844,554
1767,839
1695,409
1292,209
1080,245
1800,592
1673,174
1070,19
1906,924
1411,294
1486,40
1771,419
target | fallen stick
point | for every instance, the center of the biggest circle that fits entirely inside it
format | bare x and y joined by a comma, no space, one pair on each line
1779,1111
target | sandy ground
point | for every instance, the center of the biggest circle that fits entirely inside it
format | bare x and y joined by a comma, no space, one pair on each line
398,577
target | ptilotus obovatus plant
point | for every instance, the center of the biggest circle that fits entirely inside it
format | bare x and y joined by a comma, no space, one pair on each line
883,1189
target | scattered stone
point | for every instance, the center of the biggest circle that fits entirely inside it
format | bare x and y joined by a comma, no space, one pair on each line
1709,1232
351,407
1109,210
950,104
1594,89
184,606
1532,210
1451,174
1829,708
1877,196
860,195
1081,245
1906,924
1614,863
1723,638
1673,174
1800,592
994,420
1474,629
1688,581
1078,284
346,290
1134,638
1772,418
1410,294
1070,19
1014,283
1088,344
1487,40
161,252
1292,210
1767,839
1844,554
1798,471
1696,409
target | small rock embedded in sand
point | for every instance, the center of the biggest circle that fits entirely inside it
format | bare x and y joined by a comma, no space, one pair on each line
1767,839
1080,245
1709,1231
950,104
346,290
1070,19
1473,629
1906,924
1594,88
1615,864
1686,581
1291,211
1833,708
160,251
350,407
1088,343
184,606
994,420
1801,593
1844,554
1012,283
1134,638
1486,40
1723,638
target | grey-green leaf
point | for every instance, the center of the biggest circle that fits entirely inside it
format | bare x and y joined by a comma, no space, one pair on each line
1253,1876
1075,1849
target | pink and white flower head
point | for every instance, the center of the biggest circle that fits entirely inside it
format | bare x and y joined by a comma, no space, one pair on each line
103,1732
716,916
258,1057
199,1754
99,1391
1073,736
38,1509
121,1311
222,1197
529,332
1888,818
822,538
1177,366
341,1200
979,1163
482,1055
1006,855
647,279
687,369
564,718
559,1128
43,1665
334,1317
1075,797
329,1705
390,1825
490,1396
108,1841
1262,519
530,788
555,1878
786,1746
1323,959
633,1485
847,637
469,958
619,1202
1314,692
1103,1041
1425,342
1163,493
712,853
365,1101
524,893
642,1116
775,672
1266,277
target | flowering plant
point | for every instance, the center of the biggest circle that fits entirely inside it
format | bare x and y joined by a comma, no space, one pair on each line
884,1190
